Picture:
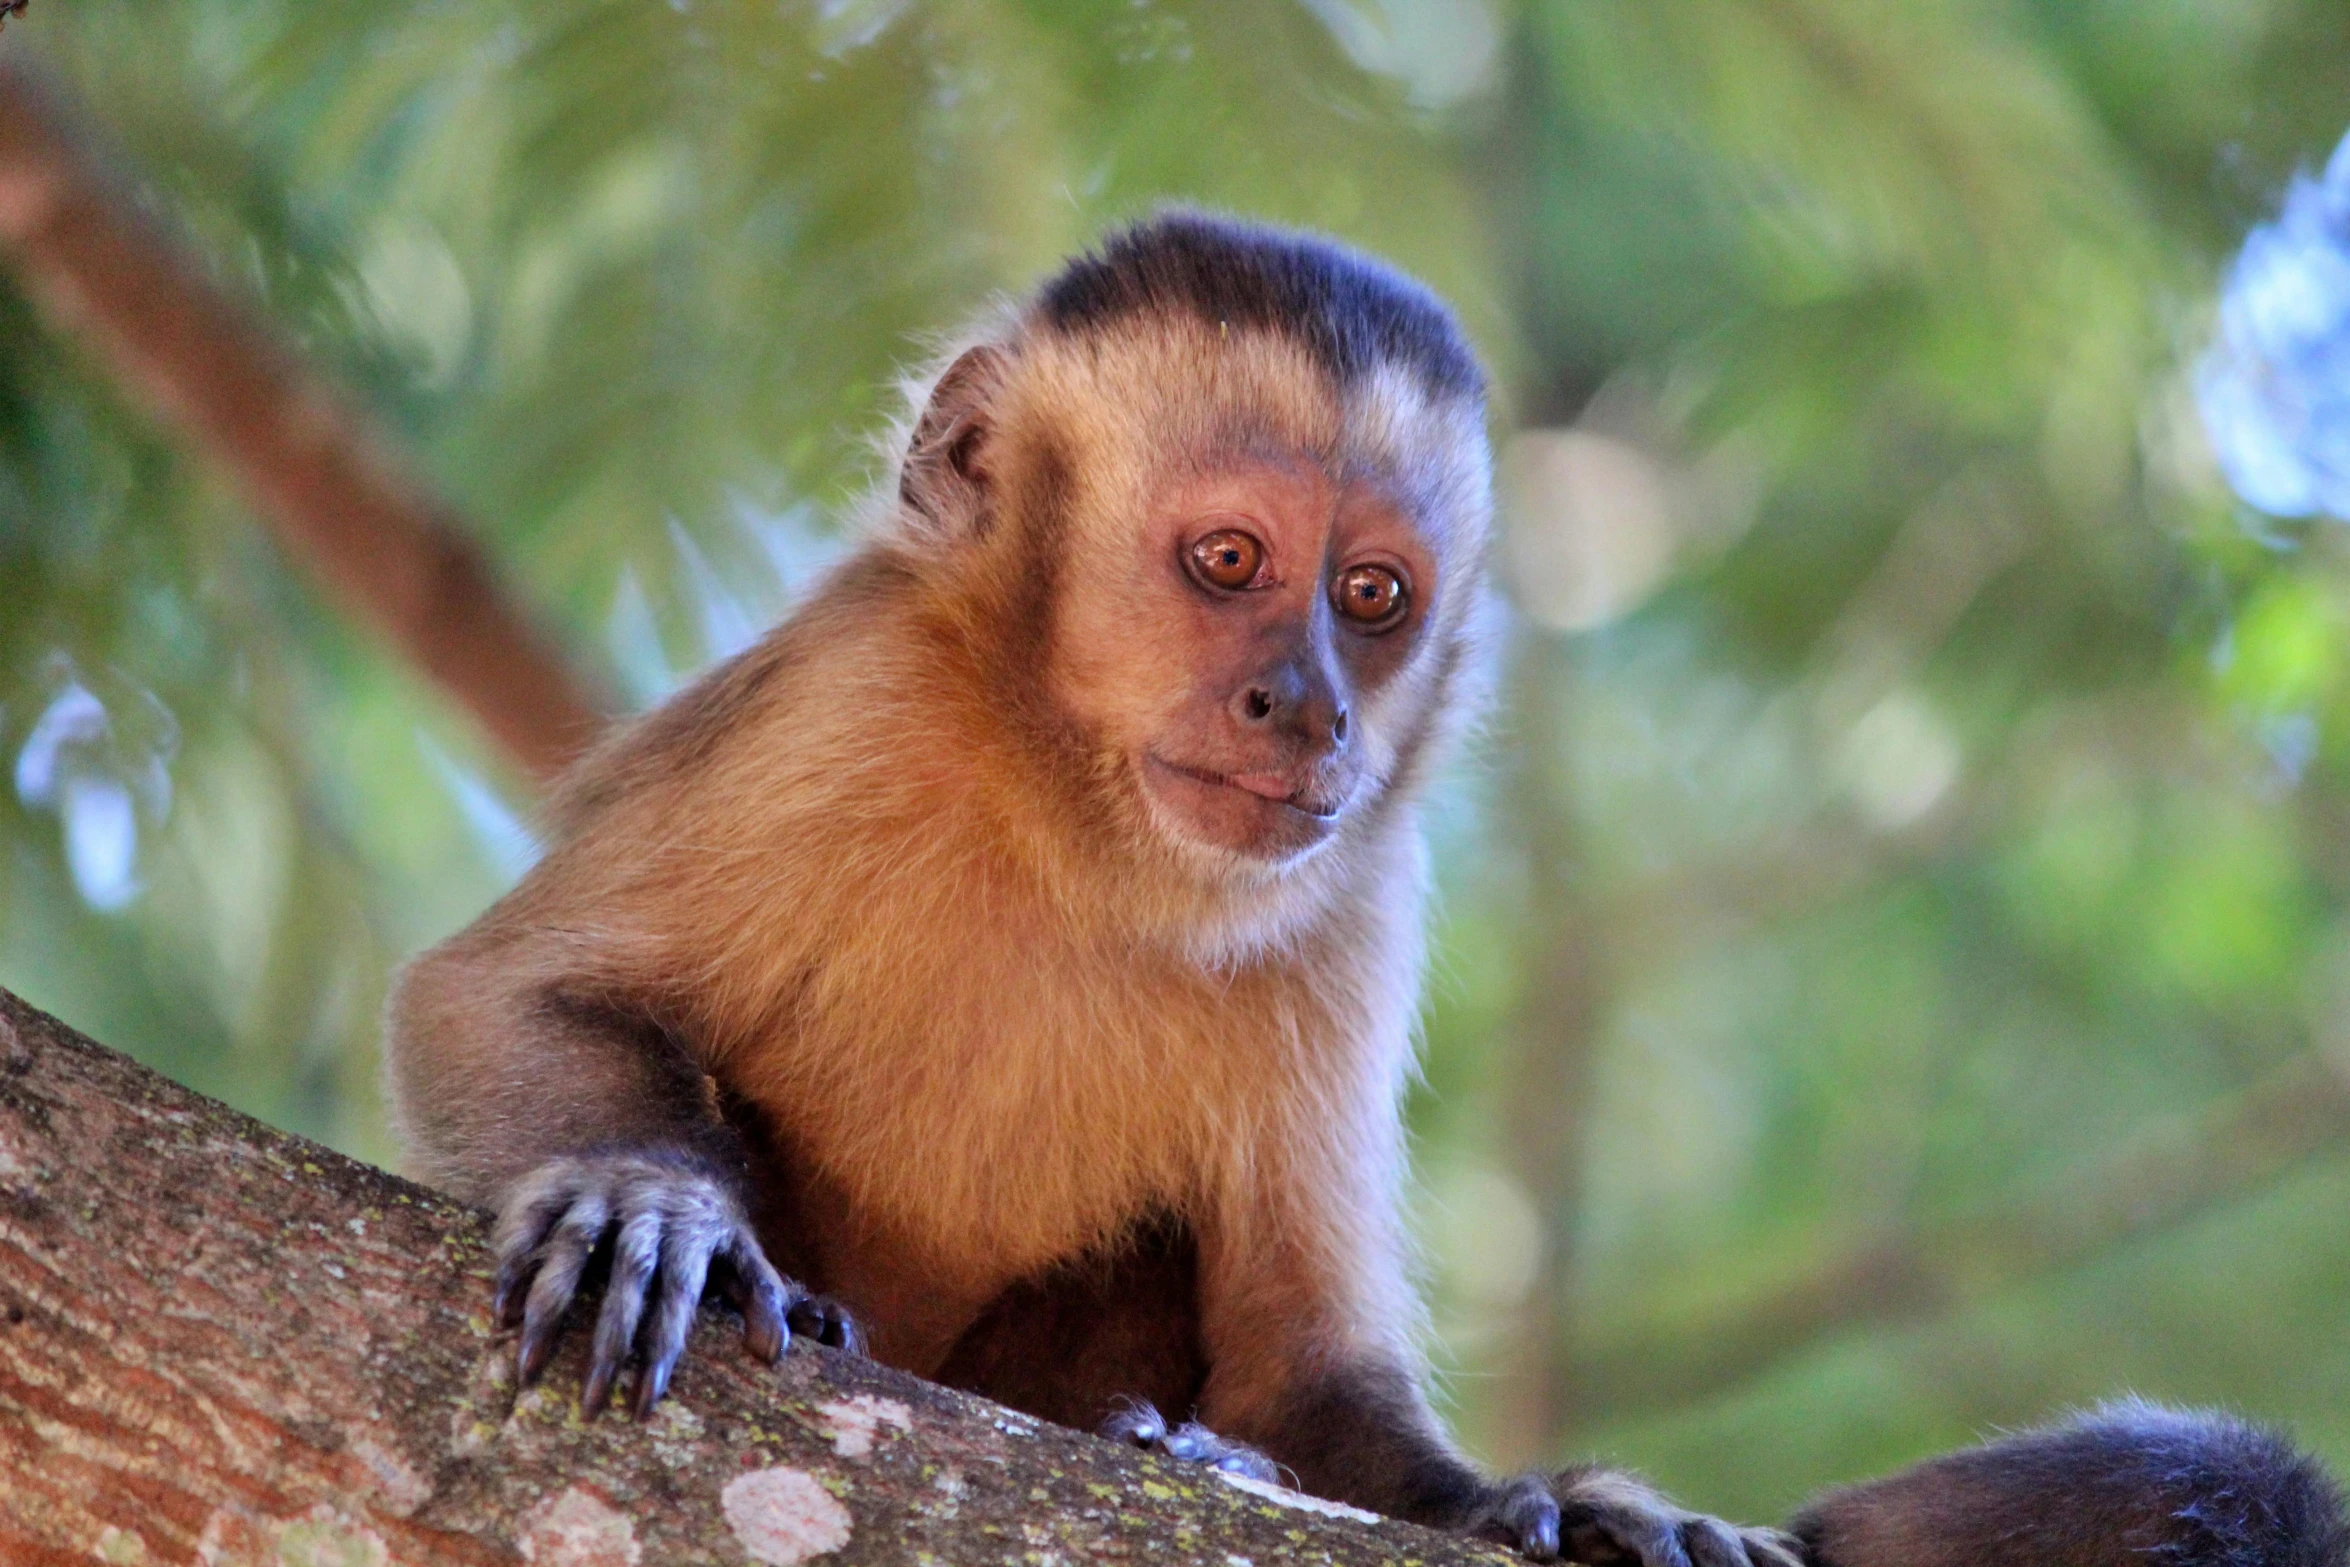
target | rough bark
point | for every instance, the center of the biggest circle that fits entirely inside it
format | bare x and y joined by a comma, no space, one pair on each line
373,535
219,1343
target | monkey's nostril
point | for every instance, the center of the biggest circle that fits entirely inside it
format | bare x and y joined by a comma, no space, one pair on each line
1258,704
1338,726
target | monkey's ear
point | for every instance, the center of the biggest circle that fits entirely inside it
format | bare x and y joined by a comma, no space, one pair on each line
946,477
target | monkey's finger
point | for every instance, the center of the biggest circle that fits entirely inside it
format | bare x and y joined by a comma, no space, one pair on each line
634,1256
516,1272
561,1261
827,1321
1523,1515
1193,1443
1136,1423
518,1260
1605,1533
513,1279
523,1227
1712,1543
685,1268
1770,1548
760,1293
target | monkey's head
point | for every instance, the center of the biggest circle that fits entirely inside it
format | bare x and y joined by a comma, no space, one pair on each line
1215,499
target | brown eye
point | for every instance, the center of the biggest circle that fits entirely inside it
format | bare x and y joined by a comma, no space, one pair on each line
1373,597
1228,558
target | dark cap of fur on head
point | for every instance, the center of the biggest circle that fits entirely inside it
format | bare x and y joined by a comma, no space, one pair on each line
1350,312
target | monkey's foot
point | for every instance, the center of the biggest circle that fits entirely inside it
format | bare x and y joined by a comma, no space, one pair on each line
1139,1424
1601,1518
671,1228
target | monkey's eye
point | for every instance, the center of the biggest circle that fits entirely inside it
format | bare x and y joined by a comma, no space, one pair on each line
1228,558
1373,597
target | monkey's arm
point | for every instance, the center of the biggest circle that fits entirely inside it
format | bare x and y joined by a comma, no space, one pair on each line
504,1054
582,1116
1305,1313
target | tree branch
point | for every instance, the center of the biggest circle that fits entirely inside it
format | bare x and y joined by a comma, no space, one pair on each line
373,536
221,1343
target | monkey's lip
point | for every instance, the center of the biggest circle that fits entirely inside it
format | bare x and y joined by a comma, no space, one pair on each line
1265,786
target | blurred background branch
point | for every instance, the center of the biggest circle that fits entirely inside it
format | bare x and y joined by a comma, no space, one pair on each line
391,553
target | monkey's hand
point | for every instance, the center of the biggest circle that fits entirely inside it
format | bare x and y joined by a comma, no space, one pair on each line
1601,1518
669,1227
1138,1423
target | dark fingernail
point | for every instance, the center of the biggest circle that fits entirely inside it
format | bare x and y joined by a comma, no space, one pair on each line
766,1336
597,1394
649,1387
538,1342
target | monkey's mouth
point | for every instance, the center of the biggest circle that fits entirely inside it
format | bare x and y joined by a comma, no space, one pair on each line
1263,816
1265,786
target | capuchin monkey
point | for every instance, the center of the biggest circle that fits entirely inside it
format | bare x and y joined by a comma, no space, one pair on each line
1009,966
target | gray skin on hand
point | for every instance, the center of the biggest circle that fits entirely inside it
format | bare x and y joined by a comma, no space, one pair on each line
670,1229
1138,1423
1603,1518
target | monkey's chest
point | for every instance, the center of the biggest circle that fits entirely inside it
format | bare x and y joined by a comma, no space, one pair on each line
921,1177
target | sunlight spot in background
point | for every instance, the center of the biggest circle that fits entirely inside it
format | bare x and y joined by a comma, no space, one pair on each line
842,27
99,770
1597,521
101,841
418,295
730,620
634,640
1591,526
770,563
1149,33
504,839
2291,741
1484,1236
1898,760
1443,51
2274,390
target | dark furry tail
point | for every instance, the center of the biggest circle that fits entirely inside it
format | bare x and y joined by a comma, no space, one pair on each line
2129,1485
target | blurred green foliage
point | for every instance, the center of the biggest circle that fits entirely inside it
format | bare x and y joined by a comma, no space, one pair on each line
1890,973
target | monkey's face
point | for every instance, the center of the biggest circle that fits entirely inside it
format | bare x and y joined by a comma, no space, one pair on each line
1241,591
1238,649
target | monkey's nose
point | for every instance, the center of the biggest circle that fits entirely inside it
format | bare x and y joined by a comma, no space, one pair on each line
1290,702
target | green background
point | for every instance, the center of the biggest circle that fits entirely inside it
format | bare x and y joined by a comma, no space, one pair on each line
1894,972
